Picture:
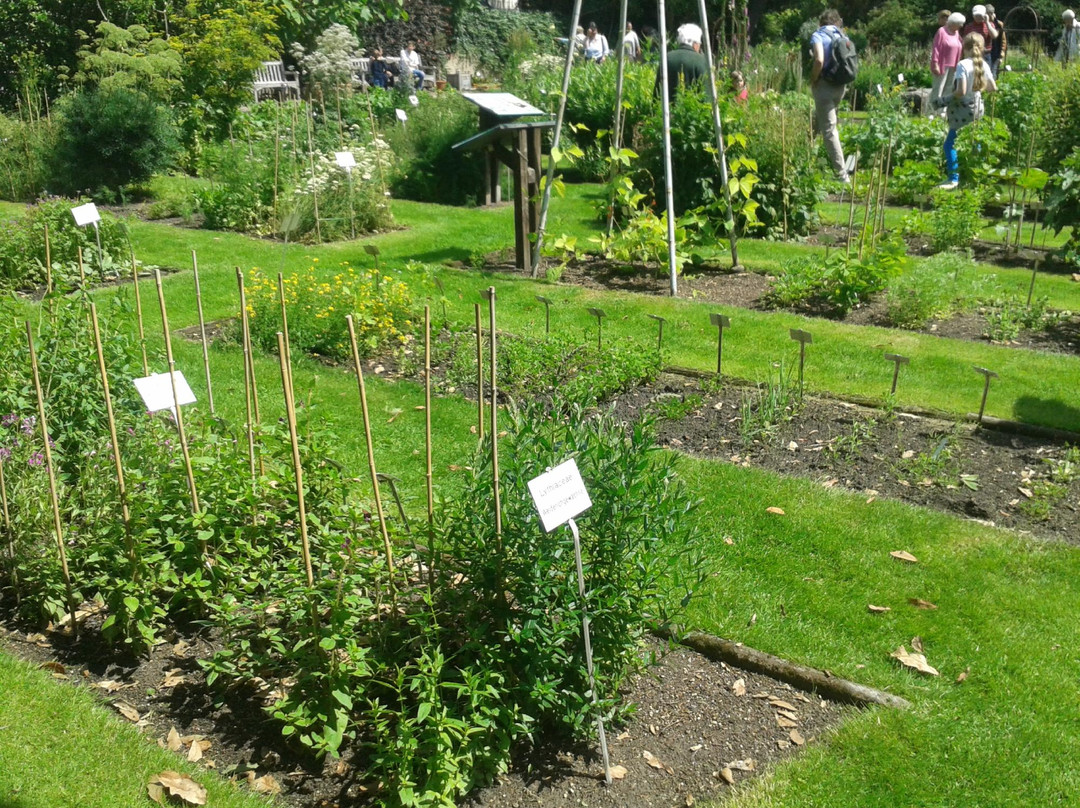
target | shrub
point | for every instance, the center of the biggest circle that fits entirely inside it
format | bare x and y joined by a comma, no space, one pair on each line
1060,135
934,289
316,305
497,40
22,245
329,65
110,139
24,148
131,58
1063,205
954,221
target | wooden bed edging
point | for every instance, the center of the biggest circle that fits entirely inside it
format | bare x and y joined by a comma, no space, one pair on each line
817,681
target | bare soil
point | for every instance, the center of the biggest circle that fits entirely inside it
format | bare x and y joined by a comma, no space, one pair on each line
692,718
996,478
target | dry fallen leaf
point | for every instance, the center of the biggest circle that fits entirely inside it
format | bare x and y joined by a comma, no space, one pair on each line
739,688
904,555
172,740
126,710
110,685
919,603
784,744
878,609
655,762
618,772
180,786
774,509
173,678
908,454
689,800
726,775
198,747
793,446
155,792
914,661
789,715
623,736
796,737
963,675
742,765
266,785
916,643
1026,492
785,723
55,667
782,705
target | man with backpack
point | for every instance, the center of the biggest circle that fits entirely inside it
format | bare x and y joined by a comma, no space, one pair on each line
834,67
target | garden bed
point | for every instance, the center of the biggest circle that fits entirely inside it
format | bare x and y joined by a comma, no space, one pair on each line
692,717
1012,481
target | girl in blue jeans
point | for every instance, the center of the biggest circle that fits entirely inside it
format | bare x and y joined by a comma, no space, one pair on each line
973,78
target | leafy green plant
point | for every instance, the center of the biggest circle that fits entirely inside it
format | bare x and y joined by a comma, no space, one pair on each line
850,445
954,221
677,407
935,289
771,404
1063,205
1008,315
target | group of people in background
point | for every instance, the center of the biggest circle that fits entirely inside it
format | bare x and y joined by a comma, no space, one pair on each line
408,65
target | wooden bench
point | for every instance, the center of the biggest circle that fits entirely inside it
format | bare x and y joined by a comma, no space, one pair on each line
274,78
361,71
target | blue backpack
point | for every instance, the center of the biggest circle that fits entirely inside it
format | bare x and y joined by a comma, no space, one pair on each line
843,64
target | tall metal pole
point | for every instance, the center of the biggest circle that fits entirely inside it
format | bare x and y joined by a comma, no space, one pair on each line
560,115
617,138
669,193
707,45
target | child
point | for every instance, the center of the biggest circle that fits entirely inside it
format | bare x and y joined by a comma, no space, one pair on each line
378,70
738,86
973,78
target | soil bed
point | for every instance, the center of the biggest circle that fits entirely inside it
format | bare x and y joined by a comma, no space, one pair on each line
1000,479
692,717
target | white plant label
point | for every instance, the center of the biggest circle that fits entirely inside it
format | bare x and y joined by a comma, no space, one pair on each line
86,214
879,90
401,116
414,100
899,78
559,495
345,159
156,391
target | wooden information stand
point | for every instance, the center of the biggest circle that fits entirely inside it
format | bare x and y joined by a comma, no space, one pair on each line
516,144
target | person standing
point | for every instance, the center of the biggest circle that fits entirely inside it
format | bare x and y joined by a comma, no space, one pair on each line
410,63
596,45
686,64
973,78
998,47
631,44
827,95
1068,49
982,26
947,46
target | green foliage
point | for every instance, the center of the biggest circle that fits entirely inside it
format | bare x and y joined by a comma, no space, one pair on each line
222,48
110,138
1063,205
890,22
1059,134
427,169
499,41
316,307
24,150
775,402
301,20
1008,315
982,147
22,245
953,222
131,58
934,289
675,407
838,282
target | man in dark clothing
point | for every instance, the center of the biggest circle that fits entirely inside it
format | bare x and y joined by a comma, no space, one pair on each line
686,64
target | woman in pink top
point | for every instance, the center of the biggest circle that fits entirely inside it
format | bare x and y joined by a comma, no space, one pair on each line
947,47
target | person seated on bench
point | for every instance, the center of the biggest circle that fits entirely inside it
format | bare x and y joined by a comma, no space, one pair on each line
410,63
379,75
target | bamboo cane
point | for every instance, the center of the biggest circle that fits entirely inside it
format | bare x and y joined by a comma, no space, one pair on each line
177,410
54,498
277,156
494,424
48,262
82,270
851,204
298,469
1023,196
314,190
202,333
479,376
138,314
248,374
9,533
879,220
371,450
869,195
285,325
783,169
121,487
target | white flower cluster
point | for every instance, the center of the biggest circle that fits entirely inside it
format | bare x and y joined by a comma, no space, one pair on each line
545,63
329,177
330,63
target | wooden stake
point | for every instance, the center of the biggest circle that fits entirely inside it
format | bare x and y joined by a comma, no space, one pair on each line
138,314
54,499
479,376
177,409
869,196
884,185
285,325
371,450
494,423
851,204
48,262
298,469
9,533
202,333
783,169
428,480
248,373
82,270
125,512
314,192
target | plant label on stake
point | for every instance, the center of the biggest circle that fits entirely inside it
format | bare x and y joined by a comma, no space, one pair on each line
803,338
988,375
660,335
721,321
401,116
599,314
899,360
156,392
345,159
559,495
414,100
88,214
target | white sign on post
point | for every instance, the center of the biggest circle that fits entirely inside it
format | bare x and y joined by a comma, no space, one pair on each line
414,100
900,78
401,116
86,214
157,394
559,495
345,159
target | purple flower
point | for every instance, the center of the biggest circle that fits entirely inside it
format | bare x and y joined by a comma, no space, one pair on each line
28,424
9,419
36,459
5,453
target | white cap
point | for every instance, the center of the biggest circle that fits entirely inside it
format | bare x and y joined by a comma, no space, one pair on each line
978,11
689,34
1068,14
956,18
